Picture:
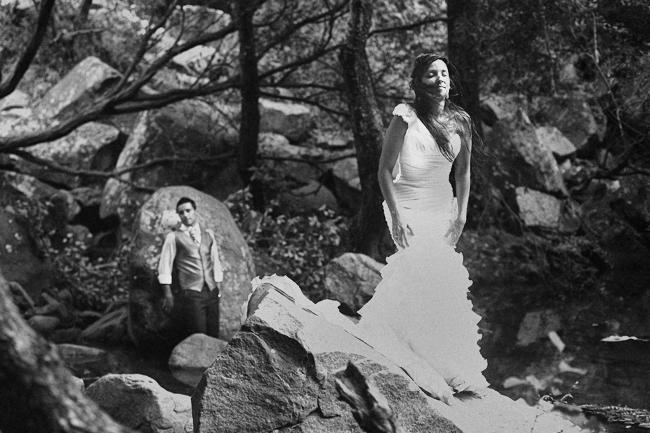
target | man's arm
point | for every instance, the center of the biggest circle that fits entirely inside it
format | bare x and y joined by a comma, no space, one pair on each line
165,267
216,262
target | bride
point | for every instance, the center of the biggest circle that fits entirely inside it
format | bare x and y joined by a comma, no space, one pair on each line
420,315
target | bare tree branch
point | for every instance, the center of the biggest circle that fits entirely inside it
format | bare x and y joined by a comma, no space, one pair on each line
117,174
310,161
299,62
291,29
149,102
305,101
409,26
44,14
132,90
143,47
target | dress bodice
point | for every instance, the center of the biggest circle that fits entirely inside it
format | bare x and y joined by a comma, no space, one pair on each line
421,174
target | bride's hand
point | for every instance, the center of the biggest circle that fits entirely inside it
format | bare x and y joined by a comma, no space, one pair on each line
455,230
401,230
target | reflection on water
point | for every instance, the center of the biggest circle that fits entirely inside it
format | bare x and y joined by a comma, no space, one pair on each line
602,373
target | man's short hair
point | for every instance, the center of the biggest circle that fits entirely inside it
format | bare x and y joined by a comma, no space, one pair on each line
184,200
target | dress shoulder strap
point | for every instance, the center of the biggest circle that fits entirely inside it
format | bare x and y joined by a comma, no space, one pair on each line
406,112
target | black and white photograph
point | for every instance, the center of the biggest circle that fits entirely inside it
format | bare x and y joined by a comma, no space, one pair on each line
324,216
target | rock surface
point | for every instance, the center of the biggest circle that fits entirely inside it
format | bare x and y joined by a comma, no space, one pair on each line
155,219
499,107
93,146
538,209
351,279
196,351
552,138
347,184
289,119
87,80
30,209
312,196
138,402
282,158
19,260
520,159
574,117
278,374
16,99
187,134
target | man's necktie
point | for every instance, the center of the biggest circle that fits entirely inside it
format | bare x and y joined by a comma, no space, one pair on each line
194,234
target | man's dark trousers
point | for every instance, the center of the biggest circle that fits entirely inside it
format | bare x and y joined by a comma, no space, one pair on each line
200,311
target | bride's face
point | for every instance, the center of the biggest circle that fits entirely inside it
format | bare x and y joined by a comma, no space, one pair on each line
436,77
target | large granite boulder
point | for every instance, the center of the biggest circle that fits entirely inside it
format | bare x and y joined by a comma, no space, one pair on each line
292,120
148,323
520,159
499,107
33,214
553,139
89,79
351,279
20,260
93,146
138,402
307,198
198,351
18,121
189,135
48,209
284,158
538,209
278,374
16,99
347,184
575,118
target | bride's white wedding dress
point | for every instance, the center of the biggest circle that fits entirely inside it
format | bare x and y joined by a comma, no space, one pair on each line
421,304
419,317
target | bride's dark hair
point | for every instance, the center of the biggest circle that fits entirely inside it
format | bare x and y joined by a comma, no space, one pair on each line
461,123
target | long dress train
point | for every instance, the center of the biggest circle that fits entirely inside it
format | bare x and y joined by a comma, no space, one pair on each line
421,303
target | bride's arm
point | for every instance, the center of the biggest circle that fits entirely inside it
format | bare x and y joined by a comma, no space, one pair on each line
462,179
393,140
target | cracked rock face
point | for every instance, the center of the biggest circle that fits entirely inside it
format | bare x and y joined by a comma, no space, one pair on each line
279,371
278,374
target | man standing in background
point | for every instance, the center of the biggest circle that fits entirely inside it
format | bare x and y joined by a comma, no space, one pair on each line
192,252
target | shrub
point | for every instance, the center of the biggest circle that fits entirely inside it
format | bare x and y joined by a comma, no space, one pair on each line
297,246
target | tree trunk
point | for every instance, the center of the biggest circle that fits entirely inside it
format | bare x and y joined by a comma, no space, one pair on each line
369,228
249,88
37,391
462,34
82,15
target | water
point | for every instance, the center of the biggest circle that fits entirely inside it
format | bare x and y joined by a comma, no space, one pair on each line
607,374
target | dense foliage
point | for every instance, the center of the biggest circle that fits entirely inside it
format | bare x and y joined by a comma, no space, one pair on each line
298,246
